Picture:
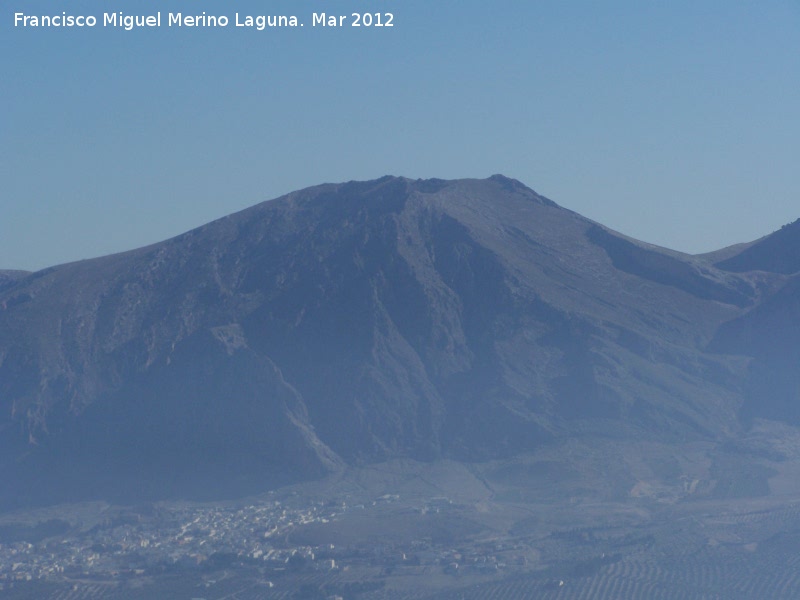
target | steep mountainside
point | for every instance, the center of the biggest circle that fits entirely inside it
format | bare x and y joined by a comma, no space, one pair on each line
346,323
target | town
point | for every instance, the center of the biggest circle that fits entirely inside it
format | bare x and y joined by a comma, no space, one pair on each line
203,540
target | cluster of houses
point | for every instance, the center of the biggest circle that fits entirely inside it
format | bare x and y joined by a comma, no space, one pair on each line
212,537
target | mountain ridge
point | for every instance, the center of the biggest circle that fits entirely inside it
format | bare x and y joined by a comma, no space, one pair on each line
348,323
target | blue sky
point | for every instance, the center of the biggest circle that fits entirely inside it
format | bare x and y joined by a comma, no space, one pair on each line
673,122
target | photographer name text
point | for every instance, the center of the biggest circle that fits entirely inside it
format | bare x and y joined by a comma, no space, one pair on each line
127,22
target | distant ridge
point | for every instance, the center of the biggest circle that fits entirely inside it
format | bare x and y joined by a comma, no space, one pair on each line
776,253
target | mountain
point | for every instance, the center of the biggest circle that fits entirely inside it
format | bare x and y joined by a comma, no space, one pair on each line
775,253
350,323
9,278
769,333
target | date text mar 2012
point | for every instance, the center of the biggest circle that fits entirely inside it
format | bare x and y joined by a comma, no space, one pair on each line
356,20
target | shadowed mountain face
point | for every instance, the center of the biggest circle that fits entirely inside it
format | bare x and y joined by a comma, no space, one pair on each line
349,323
769,333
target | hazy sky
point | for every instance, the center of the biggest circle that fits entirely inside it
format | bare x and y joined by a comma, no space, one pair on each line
673,122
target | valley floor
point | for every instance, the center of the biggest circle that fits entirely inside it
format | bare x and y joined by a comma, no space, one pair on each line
599,520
